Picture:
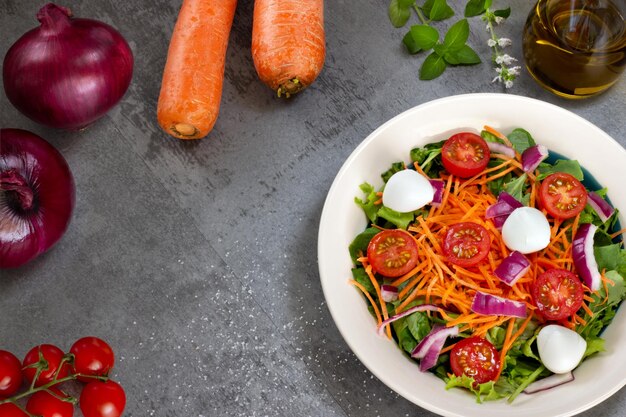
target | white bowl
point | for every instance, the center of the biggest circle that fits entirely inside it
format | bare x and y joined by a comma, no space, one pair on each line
560,130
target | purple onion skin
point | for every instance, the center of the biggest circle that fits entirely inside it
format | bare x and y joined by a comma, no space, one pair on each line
68,72
37,196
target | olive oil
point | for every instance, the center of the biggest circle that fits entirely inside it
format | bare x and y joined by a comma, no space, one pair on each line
576,48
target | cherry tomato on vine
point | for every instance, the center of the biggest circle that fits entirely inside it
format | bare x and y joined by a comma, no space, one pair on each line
52,356
557,293
562,195
466,244
477,358
392,253
465,154
92,356
45,404
102,399
10,374
11,410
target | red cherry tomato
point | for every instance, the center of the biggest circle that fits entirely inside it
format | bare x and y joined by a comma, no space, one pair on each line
11,410
44,404
102,399
10,374
92,356
52,355
477,358
557,293
465,154
466,244
562,195
392,253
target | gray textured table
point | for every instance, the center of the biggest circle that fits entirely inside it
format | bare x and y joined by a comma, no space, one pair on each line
197,261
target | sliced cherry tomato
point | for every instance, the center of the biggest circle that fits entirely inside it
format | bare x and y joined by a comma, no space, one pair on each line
477,358
562,195
102,399
49,357
466,244
11,410
92,356
465,154
557,293
44,404
392,253
10,374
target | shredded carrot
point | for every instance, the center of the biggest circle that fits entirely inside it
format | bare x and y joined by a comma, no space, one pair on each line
587,310
498,135
616,234
369,297
383,307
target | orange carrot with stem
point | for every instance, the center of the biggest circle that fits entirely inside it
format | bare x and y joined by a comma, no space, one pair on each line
288,43
191,90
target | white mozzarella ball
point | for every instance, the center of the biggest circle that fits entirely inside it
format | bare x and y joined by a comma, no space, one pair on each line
407,191
526,230
560,349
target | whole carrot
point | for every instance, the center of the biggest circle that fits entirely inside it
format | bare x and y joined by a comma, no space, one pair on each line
194,72
288,45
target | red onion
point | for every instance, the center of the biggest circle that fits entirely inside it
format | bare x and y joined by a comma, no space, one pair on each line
423,307
389,293
512,268
584,257
549,382
36,196
504,206
600,206
67,73
533,156
429,348
497,147
497,306
438,186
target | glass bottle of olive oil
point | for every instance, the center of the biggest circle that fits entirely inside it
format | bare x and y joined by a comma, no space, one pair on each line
576,48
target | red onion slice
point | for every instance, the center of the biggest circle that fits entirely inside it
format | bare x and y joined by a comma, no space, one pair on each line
600,206
499,221
423,307
512,268
504,206
584,258
438,186
429,348
497,147
533,156
549,382
497,306
389,293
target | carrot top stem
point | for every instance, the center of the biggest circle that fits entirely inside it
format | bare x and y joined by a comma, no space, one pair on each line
290,87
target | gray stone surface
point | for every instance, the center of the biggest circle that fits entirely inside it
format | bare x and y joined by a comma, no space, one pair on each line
197,261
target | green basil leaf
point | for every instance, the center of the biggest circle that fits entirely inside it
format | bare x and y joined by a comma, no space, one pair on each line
440,10
424,37
398,14
457,35
475,7
411,45
440,49
503,12
464,56
433,66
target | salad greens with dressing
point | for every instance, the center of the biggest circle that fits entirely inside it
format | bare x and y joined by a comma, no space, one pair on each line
522,364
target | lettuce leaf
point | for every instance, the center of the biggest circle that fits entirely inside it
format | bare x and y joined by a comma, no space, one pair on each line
368,206
483,392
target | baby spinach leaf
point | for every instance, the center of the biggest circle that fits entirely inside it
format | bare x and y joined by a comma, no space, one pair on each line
521,140
569,166
360,242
